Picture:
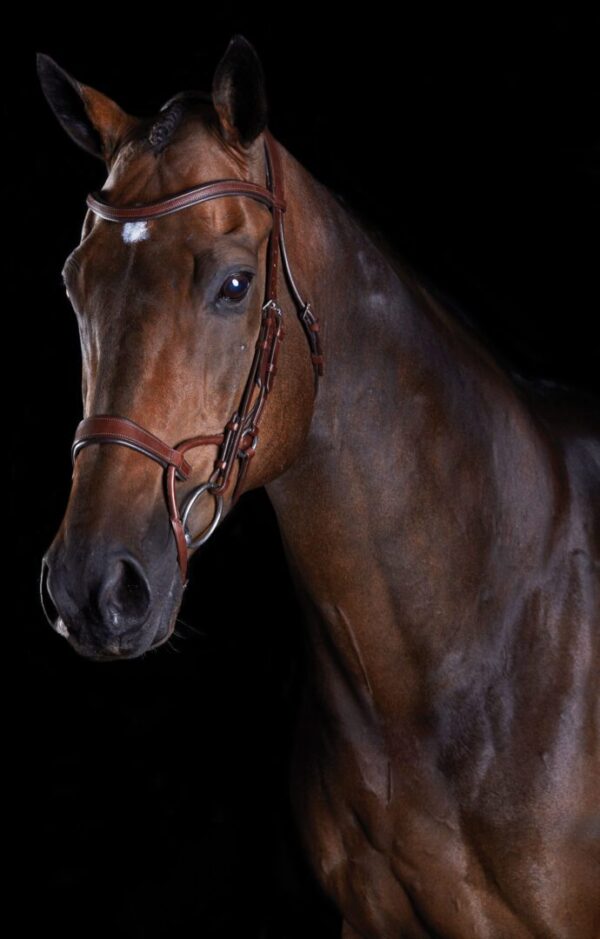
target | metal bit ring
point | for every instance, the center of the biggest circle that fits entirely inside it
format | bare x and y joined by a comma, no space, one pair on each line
186,508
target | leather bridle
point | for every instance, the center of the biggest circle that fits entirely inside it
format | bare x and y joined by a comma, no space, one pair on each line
240,436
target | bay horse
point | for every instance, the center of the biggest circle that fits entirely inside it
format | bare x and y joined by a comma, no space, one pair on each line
441,520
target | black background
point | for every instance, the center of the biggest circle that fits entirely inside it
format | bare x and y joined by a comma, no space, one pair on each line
151,796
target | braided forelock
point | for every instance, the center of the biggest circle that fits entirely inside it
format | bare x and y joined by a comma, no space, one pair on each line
171,113
164,127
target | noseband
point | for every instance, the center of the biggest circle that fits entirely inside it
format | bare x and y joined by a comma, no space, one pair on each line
239,439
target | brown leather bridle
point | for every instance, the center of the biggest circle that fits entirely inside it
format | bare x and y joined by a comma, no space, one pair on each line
240,436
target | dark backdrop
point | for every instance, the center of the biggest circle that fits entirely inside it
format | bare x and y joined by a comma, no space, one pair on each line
151,796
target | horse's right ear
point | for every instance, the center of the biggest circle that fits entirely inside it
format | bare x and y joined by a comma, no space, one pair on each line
92,120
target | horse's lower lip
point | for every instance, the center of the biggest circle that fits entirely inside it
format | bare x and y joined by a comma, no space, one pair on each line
99,653
117,657
112,653
100,656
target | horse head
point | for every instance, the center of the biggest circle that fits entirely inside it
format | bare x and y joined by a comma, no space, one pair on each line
176,338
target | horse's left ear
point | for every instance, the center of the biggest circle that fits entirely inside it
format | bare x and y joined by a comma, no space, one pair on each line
238,93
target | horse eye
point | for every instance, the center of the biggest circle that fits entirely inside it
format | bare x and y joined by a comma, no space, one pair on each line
236,286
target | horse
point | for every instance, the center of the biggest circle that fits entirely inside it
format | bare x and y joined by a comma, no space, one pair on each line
440,516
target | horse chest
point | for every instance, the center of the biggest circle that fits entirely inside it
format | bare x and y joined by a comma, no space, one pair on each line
373,847
395,853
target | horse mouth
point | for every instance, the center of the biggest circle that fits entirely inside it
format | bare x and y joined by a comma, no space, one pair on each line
113,651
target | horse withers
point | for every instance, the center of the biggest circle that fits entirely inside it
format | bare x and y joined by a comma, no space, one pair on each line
440,517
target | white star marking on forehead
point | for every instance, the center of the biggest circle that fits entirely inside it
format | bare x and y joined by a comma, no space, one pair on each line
135,231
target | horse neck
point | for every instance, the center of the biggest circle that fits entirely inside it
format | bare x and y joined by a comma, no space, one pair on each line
426,498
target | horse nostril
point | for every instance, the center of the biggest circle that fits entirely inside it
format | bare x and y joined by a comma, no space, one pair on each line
124,597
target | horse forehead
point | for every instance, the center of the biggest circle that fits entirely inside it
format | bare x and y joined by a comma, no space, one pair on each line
206,220
140,178
118,247
139,175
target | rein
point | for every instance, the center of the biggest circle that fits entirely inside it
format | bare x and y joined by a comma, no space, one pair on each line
239,439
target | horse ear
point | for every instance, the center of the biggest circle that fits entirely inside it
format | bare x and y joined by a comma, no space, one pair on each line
92,120
238,93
